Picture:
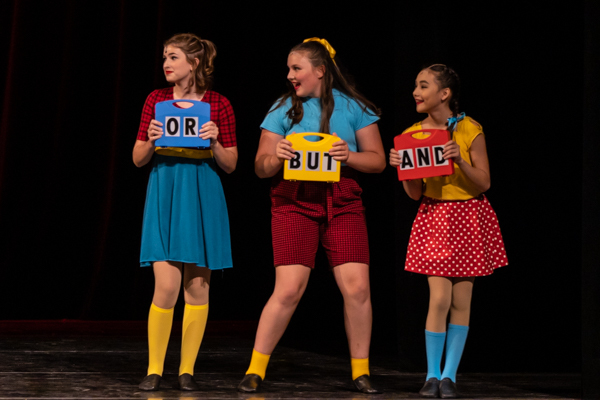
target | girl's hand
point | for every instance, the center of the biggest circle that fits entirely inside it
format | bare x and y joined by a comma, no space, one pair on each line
154,131
452,151
395,159
339,150
284,150
210,130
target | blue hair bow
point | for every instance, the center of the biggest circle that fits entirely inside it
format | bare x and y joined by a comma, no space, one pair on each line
454,121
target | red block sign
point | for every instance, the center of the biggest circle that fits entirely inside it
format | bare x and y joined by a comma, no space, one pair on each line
422,158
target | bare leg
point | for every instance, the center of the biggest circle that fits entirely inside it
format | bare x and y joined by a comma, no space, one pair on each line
167,283
196,284
290,283
353,281
440,299
462,291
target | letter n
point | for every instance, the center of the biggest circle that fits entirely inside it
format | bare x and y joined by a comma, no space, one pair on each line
423,157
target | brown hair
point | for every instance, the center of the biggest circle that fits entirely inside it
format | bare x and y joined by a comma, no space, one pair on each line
446,77
332,78
204,50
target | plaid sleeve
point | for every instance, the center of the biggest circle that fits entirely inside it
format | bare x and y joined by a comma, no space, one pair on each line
147,116
225,120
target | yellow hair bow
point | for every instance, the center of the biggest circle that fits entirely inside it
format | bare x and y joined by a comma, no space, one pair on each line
325,43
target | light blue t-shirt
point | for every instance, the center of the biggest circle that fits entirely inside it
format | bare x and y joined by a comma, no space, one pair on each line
346,119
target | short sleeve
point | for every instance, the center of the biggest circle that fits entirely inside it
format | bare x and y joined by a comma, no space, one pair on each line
147,116
472,129
276,120
226,123
362,118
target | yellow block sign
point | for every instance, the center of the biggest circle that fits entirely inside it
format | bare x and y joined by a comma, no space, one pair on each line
312,161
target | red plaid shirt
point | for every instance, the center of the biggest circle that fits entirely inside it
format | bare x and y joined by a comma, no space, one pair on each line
221,113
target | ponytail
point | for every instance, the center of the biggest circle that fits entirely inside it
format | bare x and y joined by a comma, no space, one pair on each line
204,50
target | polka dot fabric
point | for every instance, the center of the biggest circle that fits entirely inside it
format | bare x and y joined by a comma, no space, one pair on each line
455,239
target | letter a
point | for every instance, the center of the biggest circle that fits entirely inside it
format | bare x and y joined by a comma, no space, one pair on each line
407,159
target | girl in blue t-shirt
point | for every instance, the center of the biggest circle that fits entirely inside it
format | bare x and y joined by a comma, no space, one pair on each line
306,213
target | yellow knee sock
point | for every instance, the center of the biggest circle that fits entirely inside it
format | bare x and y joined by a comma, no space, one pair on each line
258,364
160,321
360,367
194,324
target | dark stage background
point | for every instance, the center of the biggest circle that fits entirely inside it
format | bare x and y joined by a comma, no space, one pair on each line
71,200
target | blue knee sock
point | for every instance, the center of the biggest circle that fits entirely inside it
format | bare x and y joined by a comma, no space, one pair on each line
434,344
457,336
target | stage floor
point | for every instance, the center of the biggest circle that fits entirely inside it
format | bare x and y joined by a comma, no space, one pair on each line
78,360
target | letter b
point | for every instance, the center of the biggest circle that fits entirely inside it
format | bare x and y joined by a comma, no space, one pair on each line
296,162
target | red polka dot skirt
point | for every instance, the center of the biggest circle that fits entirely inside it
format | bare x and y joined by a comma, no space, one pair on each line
455,238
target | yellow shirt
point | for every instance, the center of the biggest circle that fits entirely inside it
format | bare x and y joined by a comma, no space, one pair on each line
456,186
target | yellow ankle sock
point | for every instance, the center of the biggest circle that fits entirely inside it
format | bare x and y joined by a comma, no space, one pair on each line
194,324
258,364
360,367
160,321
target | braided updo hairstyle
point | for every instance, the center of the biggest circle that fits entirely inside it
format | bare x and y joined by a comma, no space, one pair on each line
446,77
204,50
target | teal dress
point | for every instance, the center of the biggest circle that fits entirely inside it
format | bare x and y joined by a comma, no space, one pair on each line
185,216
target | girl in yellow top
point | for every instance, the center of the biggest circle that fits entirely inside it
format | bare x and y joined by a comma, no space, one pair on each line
455,236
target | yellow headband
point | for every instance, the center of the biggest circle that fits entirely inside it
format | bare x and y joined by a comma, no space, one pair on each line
325,43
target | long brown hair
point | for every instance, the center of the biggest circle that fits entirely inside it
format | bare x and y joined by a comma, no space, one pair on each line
333,78
204,50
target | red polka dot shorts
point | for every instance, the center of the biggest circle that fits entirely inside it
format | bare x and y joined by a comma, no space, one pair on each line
455,239
304,213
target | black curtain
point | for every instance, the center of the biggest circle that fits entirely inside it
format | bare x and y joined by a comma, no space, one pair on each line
71,200
591,214
521,69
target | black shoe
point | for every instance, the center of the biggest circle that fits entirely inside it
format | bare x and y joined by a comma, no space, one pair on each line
431,389
363,384
187,382
447,389
150,383
250,383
